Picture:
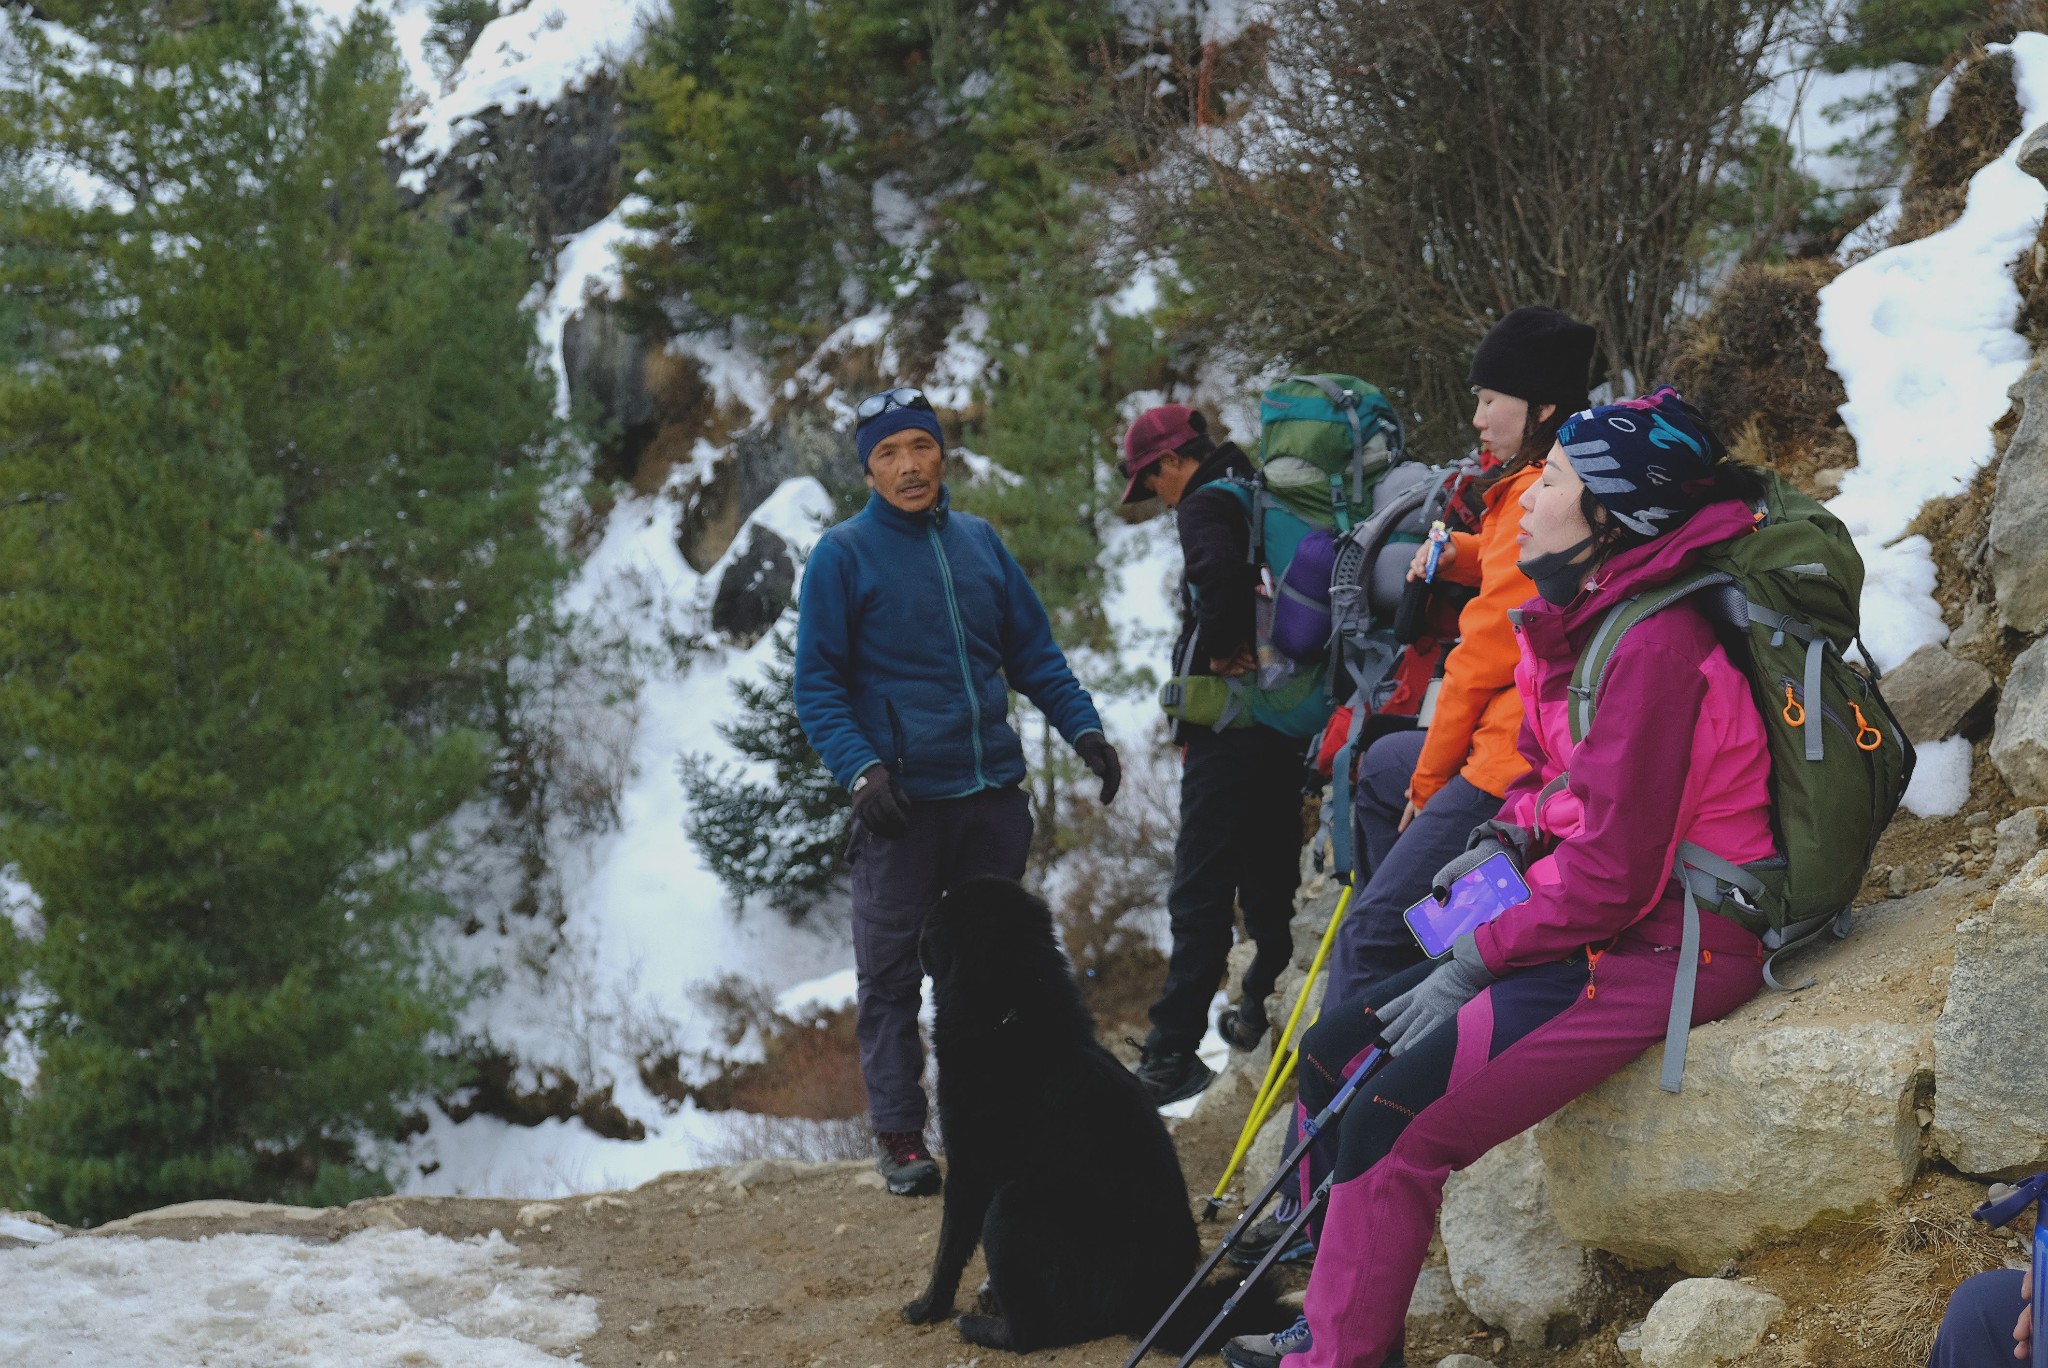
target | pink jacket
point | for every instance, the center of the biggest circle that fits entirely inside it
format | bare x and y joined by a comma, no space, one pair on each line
1676,753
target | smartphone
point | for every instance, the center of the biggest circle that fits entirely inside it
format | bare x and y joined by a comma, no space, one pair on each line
1477,897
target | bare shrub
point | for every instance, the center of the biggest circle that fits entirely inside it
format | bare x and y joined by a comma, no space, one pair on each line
746,1136
1395,174
808,1069
1923,1255
1108,890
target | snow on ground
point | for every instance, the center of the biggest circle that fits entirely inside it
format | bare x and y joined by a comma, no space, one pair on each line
254,1301
1923,338
588,265
1941,778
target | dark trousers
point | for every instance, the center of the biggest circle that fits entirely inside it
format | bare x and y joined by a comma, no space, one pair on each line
1395,866
1239,848
895,883
1976,1331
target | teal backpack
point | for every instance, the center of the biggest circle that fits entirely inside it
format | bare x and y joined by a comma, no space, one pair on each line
1325,443
1784,600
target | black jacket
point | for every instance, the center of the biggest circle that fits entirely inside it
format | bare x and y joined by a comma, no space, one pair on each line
1215,538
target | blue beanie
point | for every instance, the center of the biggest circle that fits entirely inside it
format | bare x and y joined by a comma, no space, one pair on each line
869,435
1649,461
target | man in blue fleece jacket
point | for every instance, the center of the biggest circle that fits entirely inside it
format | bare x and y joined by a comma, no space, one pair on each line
914,624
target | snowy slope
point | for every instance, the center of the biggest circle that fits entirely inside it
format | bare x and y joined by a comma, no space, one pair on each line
1924,340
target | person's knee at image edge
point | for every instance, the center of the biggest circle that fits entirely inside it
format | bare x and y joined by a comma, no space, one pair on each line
1529,373
1237,785
1989,1322
905,592
1560,991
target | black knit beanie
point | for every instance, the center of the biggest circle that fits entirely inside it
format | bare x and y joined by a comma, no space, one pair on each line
1537,353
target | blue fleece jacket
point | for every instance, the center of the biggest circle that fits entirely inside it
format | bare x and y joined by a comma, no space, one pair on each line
907,628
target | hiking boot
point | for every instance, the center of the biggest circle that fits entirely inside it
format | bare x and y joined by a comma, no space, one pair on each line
1242,1026
1266,1351
906,1165
1252,1246
1172,1077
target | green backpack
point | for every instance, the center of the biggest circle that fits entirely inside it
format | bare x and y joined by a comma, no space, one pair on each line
1784,600
1325,442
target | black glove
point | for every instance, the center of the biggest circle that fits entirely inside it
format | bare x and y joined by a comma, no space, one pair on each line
1430,1003
879,804
1097,754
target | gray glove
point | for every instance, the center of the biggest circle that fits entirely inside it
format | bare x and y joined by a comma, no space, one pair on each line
1430,1003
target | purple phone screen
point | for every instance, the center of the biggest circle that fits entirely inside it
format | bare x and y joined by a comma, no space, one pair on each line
1477,897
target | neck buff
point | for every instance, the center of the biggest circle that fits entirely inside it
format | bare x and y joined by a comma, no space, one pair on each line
1558,574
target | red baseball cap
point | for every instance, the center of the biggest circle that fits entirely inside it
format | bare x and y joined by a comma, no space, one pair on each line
1156,431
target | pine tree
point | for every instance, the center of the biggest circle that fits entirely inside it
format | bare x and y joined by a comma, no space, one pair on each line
290,446
207,793
784,839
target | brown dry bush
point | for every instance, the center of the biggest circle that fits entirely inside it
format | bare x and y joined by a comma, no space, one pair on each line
1397,173
809,1069
1982,120
1753,362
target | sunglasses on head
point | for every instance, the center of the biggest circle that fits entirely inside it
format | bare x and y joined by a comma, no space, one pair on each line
903,396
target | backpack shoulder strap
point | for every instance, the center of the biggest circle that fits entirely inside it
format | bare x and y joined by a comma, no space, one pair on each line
1590,673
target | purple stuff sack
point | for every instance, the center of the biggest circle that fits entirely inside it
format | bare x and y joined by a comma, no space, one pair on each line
1301,609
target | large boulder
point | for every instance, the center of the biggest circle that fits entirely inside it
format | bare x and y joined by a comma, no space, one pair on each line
1510,1262
1706,1322
755,586
1990,1108
2019,511
1933,694
1795,1105
2019,739
2033,157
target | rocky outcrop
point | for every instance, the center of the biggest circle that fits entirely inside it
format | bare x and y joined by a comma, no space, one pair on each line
2019,512
1510,1262
1793,1106
1704,1323
2019,739
2033,156
1934,695
1990,1108
754,587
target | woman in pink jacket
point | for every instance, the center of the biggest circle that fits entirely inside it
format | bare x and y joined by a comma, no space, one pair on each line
1560,991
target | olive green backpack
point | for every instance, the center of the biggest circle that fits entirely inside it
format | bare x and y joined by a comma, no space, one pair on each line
1784,600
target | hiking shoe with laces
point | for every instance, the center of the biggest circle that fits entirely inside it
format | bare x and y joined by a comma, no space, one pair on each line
1172,1077
1242,1026
906,1165
1252,1246
1266,1351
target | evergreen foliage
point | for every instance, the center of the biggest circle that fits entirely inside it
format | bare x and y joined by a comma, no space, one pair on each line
784,839
206,791
260,641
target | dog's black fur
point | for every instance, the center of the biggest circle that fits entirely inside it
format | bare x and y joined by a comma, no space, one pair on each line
1057,1161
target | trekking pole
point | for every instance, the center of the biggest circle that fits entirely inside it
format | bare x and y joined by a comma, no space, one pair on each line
1310,1128
1275,1070
1259,1271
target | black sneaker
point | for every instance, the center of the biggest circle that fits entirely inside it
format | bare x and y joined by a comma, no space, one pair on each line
1242,1026
906,1165
1252,1246
1173,1077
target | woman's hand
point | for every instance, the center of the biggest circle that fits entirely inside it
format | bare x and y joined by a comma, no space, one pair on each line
1410,810
2023,1333
1418,567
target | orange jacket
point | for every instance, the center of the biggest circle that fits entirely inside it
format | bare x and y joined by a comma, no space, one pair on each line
1478,713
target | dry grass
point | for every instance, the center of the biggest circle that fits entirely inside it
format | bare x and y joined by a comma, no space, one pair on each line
1922,1254
809,1069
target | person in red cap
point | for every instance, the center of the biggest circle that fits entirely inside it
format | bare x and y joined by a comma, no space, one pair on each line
1240,788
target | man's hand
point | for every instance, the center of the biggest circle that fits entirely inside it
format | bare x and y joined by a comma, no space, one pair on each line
1230,667
1409,810
879,803
1098,755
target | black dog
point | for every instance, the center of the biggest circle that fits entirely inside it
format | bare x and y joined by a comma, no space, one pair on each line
1058,1162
